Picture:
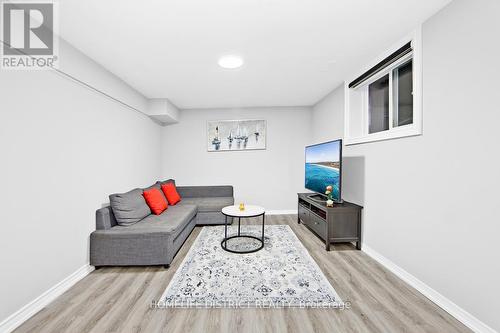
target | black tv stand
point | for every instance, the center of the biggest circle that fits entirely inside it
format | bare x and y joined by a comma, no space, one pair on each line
338,224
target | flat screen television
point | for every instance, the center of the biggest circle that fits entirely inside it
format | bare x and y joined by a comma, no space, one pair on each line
324,167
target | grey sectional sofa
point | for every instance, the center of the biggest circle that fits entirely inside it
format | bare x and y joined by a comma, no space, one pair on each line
155,239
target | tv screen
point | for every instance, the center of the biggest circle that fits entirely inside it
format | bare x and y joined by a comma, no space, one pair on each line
323,167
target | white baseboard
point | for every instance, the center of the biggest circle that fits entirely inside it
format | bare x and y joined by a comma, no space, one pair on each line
460,314
27,311
281,212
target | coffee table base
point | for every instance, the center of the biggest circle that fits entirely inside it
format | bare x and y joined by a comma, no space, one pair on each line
223,244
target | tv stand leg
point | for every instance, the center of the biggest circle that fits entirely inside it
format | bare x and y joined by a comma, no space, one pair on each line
358,245
298,215
327,245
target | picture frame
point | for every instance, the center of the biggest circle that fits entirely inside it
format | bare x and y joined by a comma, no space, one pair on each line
236,135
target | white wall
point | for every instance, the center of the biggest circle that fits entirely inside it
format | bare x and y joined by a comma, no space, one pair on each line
63,149
70,62
270,177
327,125
430,201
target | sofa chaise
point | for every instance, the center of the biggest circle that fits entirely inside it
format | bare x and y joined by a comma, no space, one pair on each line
154,239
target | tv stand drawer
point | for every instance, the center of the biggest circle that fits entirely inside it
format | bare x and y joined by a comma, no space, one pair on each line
303,214
317,224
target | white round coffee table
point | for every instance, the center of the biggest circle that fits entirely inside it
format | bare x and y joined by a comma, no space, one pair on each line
235,212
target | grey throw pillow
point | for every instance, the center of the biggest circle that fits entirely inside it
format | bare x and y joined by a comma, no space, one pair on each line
165,181
130,207
155,185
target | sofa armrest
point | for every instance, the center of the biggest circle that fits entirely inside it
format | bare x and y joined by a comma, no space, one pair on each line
205,191
104,218
109,248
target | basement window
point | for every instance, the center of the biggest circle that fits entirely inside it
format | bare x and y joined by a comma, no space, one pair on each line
384,101
390,99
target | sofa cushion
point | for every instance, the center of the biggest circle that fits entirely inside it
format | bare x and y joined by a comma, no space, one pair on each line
155,200
171,193
205,191
213,204
130,207
155,185
163,182
172,221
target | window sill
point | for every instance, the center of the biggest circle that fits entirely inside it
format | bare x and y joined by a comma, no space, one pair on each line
394,133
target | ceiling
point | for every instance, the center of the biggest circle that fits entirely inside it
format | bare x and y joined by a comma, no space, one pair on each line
295,51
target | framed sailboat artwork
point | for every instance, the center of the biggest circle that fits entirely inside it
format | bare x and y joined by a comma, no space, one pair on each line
232,135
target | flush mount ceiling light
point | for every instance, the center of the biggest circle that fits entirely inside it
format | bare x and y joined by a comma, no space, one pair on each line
230,61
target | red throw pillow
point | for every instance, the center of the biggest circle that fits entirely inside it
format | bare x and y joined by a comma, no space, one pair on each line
155,200
171,193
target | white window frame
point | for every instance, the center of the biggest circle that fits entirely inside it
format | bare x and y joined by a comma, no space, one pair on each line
366,103
393,132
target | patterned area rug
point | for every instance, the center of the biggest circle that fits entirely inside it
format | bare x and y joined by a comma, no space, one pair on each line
282,274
